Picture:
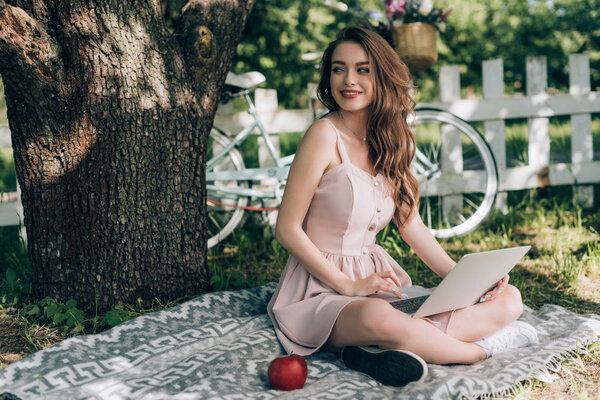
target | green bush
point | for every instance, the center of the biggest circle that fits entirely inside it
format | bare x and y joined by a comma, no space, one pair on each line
60,315
15,270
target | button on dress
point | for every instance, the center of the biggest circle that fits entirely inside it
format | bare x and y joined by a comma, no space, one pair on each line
348,209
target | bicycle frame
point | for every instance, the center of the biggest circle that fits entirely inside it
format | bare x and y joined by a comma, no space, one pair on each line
280,171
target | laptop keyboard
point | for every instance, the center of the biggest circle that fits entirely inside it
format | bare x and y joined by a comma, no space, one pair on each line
409,306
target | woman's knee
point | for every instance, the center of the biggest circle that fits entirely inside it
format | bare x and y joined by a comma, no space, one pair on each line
512,303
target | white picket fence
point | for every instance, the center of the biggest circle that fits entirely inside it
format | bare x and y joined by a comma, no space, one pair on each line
538,106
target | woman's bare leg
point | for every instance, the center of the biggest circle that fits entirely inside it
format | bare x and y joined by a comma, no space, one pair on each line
375,322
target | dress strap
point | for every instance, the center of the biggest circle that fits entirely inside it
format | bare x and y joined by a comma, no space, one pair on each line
340,144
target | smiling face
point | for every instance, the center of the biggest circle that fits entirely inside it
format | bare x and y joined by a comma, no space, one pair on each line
351,79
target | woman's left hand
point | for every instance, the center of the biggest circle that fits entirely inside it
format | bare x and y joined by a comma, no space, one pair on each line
496,291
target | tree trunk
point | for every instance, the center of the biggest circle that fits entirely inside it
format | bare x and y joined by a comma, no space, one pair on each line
110,115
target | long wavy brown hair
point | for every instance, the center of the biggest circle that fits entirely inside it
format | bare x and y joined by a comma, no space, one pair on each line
391,141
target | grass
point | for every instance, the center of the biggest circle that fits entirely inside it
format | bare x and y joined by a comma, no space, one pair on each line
578,379
250,254
559,131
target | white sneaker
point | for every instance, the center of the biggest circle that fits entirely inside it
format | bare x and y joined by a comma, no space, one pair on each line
515,335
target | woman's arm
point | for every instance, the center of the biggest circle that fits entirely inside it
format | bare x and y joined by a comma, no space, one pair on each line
422,241
316,153
425,245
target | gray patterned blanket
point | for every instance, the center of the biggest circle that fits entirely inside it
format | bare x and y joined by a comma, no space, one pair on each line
219,346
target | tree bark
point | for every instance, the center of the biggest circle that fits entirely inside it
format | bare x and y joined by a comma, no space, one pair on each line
109,115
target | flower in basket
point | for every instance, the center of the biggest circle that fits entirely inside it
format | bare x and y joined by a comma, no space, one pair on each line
407,11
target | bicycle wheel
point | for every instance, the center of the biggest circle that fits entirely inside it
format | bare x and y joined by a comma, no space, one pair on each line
225,211
456,171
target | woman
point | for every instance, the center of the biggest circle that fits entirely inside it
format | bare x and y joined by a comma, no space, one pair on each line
349,178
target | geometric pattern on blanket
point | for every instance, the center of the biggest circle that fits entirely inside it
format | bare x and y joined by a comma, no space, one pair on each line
219,346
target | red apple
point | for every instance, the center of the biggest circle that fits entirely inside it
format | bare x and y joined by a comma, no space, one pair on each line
287,372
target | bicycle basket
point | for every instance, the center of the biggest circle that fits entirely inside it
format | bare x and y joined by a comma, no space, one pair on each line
416,45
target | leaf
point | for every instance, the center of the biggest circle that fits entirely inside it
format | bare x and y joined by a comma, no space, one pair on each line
71,304
51,310
34,311
75,317
114,317
45,301
78,328
59,318
70,322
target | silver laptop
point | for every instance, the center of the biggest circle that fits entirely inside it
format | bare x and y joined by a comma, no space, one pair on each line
473,276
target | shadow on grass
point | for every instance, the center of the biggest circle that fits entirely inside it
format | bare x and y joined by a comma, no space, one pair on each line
538,289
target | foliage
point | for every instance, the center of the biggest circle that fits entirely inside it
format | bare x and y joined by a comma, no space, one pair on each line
8,174
408,11
61,315
277,34
15,291
71,320
115,316
16,286
15,270
512,30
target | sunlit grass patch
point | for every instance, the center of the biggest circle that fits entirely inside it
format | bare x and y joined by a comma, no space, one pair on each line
593,255
568,269
579,378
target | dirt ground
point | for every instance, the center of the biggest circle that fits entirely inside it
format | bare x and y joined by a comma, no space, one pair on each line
18,338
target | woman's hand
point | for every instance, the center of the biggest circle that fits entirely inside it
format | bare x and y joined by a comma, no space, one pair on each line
496,291
384,281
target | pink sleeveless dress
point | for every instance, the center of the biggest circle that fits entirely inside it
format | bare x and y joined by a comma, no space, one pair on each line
349,207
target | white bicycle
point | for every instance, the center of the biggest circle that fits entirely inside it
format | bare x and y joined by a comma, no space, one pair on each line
454,165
